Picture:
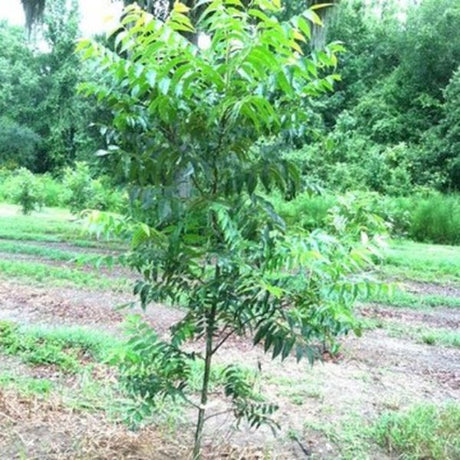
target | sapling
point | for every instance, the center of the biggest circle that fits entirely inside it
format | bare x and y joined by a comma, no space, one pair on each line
189,117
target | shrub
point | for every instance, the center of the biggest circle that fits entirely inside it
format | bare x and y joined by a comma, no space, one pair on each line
78,181
106,197
55,194
309,211
27,191
351,214
88,193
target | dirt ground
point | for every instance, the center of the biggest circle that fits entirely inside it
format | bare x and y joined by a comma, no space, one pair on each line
373,373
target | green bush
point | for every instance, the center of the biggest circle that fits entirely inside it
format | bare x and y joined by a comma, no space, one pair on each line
27,191
18,144
425,216
78,181
88,193
426,431
107,197
352,213
55,194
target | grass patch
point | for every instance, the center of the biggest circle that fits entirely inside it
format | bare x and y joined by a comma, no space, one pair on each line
421,334
425,431
60,276
404,299
50,225
65,347
350,436
422,262
46,223
26,385
48,253
94,394
440,337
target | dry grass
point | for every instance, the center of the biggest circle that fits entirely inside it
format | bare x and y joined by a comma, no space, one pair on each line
35,428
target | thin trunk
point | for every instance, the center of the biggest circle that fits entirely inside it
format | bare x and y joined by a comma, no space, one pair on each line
205,385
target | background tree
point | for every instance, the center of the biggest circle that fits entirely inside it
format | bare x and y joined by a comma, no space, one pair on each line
373,131
64,115
38,93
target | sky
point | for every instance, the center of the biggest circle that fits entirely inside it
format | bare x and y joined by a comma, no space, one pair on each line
95,14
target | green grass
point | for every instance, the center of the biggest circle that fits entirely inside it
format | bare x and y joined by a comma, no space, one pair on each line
422,262
26,385
436,219
349,434
425,431
440,337
421,334
50,225
404,299
64,347
59,276
45,252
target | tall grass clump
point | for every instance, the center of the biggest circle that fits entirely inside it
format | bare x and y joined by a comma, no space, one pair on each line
436,219
425,431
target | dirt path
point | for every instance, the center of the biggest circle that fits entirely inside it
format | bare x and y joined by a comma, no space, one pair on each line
29,304
440,317
419,288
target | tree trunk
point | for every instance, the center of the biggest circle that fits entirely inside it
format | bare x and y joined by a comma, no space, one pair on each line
205,385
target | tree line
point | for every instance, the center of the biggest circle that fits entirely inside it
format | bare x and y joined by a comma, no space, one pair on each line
390,125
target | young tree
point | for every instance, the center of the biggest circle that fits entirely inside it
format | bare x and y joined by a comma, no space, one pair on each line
196,115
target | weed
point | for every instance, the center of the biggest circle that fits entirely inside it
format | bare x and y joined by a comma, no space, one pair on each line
429,339
440,337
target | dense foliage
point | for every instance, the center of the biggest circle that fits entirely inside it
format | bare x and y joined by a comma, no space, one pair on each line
77,189
45,123
390,126
385,127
